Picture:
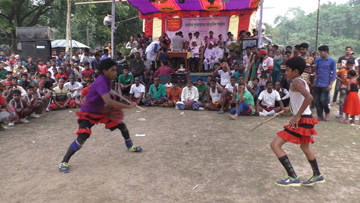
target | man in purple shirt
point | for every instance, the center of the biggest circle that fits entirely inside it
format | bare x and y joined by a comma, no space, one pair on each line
325,75
211,38
100,108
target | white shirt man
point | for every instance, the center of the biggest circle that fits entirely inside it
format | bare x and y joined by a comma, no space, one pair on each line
225,78
137,90
246,61
152,49
219,53
268,99
195,51
209,57
189,93
84,59
74,88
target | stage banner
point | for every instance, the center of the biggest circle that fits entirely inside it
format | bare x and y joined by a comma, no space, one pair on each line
219,25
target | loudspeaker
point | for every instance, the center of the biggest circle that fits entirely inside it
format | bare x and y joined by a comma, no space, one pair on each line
34,33
181,1
38,49
180,78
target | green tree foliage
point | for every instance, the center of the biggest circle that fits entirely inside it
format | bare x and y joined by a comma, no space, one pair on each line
27,13
339,27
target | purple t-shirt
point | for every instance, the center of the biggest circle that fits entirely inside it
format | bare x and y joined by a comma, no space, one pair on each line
94,101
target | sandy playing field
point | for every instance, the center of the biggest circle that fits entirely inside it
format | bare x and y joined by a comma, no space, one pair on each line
190,157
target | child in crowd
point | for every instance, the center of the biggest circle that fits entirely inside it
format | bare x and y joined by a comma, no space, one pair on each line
94,111
44,94
20,107
42,68
213,100
256,88
351,104
284,94
156,95
36,104
342,77
8,91
300,129
202,89
268,98
173,95
84,91
74,88
14,81
61,75
244,103
49,78
189,98
87,73
137,91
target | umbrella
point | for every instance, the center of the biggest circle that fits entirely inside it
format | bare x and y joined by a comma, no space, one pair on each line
62,44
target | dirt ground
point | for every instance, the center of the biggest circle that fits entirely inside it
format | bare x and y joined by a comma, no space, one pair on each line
190,157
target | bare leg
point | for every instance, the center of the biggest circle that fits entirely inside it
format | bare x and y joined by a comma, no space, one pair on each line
276,146
211,107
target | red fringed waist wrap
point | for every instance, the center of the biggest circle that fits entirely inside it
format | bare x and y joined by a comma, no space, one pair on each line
303,133
109,116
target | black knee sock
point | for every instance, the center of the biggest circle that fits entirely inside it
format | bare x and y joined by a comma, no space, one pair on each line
287,165
315,168
75,146
124,131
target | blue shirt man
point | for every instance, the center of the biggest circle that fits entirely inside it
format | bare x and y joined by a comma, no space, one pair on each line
326,74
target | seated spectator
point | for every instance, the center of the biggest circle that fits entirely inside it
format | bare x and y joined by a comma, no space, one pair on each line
25,82
148,78
137,91
225,74
214,96
20,106
36,104
244,103
124,82
84,91
49,78
69,71
3,72
61,97
189,98
87,73
8,76
96,62
14,81
208,79
42,68
8,91
209,58
156,95
256,88
44,94
228,94
239,70
6,114
173,95
18,69
284,94
247,87
32,68
202,89
268,98
164,71
75,89
61,75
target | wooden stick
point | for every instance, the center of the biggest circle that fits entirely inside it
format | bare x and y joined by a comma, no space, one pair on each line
267,120
117,94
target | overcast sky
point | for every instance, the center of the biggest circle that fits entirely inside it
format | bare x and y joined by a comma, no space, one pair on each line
273,8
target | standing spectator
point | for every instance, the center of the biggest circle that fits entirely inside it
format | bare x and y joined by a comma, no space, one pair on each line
219,51
242,35
165,37
326,74
152,51
309,62
85,57
178,44
96,61
265,66
190,37
278,60
105,55
76,57
210,39
164,70
132,43
199,40
139,65
246,58
32,68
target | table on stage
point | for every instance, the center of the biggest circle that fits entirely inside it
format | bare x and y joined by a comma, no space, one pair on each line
180,54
